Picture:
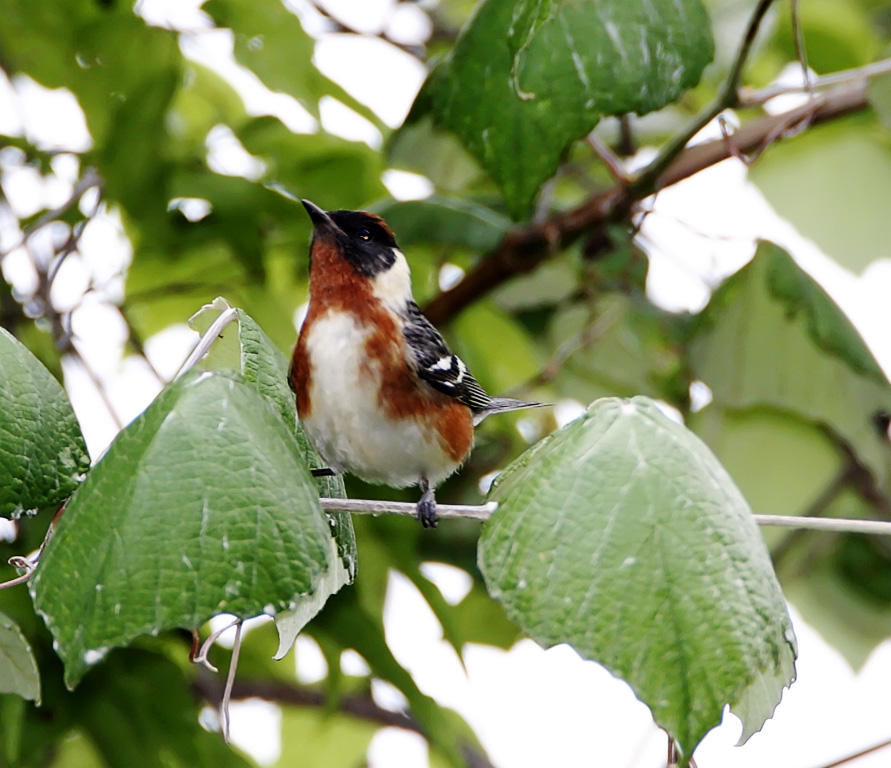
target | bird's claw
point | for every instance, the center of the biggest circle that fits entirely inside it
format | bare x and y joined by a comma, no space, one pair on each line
427,508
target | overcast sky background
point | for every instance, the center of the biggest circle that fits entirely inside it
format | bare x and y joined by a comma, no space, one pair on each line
529,707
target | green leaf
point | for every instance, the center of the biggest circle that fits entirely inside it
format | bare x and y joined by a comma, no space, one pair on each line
333,172
879,92
201,506
847,218
623,347
445,220
771,336
623,536
18,669
250,352
841,587
527,78
313,738
495,347
837,35
271,42
42,453
780,461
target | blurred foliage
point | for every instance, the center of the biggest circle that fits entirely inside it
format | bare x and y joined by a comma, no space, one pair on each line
798,408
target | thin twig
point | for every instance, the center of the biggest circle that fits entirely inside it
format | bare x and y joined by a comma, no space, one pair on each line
862,753
832,524
375,507
29,564
230,681
726,98
484,511
800,50
522,249
589,335
89,179
288,694
749,97
98,384
201,656
609,158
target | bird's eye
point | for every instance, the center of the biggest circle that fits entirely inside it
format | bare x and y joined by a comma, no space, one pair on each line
364,234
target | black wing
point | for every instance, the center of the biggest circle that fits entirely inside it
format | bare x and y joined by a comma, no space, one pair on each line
436,364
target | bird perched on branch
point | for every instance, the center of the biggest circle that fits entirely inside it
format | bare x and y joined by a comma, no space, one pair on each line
379,393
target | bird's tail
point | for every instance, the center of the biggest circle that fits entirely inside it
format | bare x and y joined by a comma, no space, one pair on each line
502,404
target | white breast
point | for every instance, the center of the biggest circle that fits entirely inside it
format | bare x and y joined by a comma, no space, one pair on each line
346,424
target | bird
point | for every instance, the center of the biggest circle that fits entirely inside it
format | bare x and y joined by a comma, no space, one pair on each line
379,393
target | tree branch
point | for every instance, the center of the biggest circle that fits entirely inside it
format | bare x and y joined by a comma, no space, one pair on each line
524,248
210,689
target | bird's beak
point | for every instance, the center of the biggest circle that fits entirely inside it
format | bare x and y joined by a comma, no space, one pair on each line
321,221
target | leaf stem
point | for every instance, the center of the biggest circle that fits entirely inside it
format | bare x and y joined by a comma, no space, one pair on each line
230,681
727,97
207,339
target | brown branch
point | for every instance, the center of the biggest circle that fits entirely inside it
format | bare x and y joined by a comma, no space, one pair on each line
211,689
857,755
524,248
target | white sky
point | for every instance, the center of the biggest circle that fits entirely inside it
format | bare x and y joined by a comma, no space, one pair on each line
529,707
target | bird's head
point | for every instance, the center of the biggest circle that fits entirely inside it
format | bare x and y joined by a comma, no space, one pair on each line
361,242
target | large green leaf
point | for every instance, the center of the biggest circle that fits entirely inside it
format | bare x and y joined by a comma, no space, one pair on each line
623,536
244,347
771,336
527,78
201,506
18,670
42,452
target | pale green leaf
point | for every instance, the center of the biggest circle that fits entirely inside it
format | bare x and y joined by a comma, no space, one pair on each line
832,184
623,536
18,669
771,336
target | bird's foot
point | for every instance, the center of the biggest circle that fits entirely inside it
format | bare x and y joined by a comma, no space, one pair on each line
427,507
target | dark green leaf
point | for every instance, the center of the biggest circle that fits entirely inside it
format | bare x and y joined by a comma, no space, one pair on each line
527,78
18,670
201,506
42,452
623,536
